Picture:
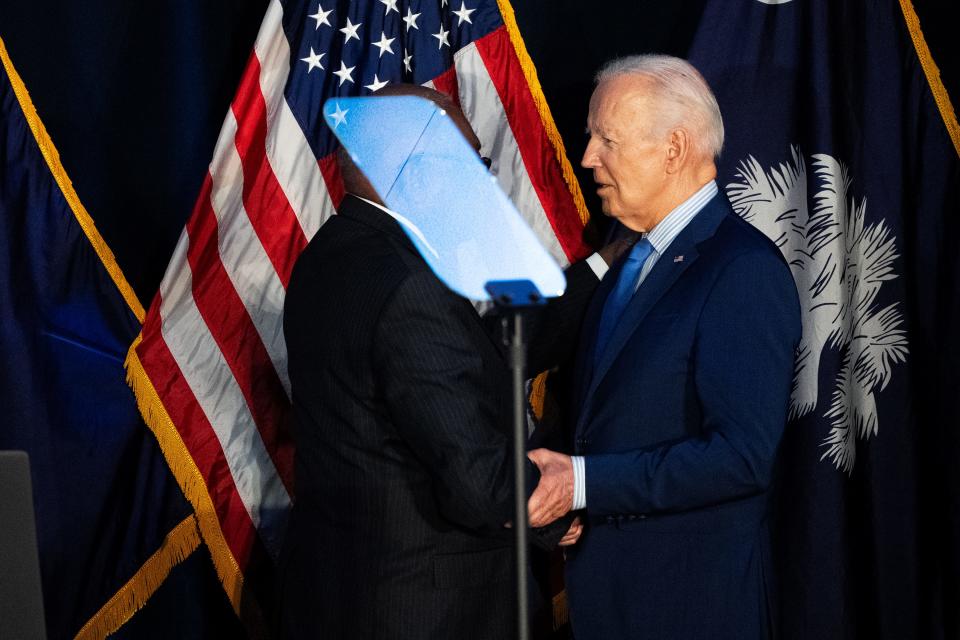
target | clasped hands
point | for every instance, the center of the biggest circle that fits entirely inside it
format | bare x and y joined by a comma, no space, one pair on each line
553,497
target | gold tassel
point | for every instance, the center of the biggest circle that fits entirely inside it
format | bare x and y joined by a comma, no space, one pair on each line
52,157
177,546
187,474
530,73
933,73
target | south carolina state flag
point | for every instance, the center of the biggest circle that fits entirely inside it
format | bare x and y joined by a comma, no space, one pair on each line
843,148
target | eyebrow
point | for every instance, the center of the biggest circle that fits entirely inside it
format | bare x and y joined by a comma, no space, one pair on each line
594,128
601,133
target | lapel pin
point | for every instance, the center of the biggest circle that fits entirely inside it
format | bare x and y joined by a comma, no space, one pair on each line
678,258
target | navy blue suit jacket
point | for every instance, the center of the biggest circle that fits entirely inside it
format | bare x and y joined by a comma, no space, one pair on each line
679,421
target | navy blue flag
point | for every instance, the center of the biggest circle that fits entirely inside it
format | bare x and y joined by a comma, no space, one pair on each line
111,521
842,147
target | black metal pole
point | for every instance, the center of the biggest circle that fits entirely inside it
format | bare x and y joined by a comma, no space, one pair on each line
518,365
511,296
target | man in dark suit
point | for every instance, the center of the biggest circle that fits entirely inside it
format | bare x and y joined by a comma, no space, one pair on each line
402,422
683,377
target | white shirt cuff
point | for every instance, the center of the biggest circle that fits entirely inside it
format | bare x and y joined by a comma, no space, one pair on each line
599,267
579,483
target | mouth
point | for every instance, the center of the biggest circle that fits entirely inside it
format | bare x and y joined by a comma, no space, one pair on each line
601,184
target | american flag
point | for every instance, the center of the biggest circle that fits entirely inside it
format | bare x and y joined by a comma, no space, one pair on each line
209,368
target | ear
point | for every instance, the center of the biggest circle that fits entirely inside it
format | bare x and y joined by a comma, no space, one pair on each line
678,150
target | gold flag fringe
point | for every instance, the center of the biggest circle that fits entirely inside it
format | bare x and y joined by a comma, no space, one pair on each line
183,540
539,386
530,72
177,546
538,392
52,156
561,614
187,474
933,73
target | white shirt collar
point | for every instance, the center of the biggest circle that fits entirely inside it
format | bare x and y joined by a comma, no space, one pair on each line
670,227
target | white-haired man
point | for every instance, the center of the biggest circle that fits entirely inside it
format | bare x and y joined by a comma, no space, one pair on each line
683,377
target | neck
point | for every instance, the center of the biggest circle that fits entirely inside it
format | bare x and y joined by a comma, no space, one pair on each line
684,186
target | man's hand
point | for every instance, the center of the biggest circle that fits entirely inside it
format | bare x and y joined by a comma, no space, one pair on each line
553,497
572,534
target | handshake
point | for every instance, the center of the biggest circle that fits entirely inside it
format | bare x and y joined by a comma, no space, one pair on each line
553,496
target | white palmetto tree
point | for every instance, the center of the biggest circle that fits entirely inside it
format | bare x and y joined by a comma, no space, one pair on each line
839,264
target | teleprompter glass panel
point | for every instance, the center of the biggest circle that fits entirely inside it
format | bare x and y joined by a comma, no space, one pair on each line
441,193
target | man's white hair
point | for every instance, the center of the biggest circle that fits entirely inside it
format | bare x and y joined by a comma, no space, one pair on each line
682,97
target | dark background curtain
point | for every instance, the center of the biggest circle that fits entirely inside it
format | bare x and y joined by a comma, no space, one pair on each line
133,95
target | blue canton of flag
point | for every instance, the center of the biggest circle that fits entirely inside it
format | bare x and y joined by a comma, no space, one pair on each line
355,48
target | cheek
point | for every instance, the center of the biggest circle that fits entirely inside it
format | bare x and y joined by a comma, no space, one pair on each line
614,167
638,177
630,186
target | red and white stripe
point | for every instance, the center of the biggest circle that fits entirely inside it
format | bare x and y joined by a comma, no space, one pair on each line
213,343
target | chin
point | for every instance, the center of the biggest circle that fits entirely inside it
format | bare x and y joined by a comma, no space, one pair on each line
616,215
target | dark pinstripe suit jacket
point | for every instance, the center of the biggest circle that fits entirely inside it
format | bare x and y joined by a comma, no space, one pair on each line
402,425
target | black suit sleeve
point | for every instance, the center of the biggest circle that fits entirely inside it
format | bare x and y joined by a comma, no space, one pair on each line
555,328
554,332
444,403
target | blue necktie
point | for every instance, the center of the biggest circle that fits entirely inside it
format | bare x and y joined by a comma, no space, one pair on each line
622,292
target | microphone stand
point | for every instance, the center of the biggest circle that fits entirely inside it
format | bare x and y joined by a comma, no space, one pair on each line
511,298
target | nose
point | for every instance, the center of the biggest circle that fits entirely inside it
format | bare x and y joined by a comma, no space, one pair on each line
589,159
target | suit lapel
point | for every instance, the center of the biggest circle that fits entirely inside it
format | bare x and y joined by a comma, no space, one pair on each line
681,253
591,322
